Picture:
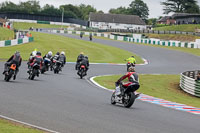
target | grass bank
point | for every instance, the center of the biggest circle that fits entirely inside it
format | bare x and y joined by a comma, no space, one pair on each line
6,34
11,127
23,26
160,86
184,27
46,42
176,37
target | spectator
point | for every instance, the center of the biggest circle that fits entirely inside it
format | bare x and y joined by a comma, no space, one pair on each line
197,77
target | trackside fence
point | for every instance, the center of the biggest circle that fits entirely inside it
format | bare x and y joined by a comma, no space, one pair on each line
16,41
153,41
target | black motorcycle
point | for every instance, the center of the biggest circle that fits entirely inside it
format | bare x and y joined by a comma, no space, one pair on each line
46,65
11,72
34,71
127,98
82,71
57,66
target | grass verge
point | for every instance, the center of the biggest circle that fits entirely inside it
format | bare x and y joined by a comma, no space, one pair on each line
11,127
46,42
160,86
183,27
6,34
23,26
177,37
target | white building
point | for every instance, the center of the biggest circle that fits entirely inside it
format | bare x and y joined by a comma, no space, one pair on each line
115,21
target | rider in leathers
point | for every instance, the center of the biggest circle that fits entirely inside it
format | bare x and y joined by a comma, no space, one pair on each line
14,59
36,59
133,81
79,59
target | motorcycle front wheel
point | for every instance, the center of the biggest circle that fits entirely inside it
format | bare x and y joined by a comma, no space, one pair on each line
113,98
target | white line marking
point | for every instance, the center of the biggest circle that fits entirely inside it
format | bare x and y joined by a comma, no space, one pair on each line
27,124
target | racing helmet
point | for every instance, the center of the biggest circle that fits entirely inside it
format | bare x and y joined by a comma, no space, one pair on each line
58,53
39,53
86,57
62,53
50,53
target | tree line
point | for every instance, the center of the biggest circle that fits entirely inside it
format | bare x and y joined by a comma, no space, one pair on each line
136,7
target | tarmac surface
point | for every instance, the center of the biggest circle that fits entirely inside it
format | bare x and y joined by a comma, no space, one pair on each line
67,104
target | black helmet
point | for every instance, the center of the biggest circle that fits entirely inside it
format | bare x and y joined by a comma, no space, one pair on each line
86,57
38,53
58,53
132,56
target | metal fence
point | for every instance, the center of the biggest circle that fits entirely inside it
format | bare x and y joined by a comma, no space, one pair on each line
150,32
42,18
189,84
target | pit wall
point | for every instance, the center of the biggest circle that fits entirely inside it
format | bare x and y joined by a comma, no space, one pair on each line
136,39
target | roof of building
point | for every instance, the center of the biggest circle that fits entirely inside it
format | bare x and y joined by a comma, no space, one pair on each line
184,15
116,18
164,19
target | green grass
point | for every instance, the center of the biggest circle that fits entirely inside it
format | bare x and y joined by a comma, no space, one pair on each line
23,26
177,37
184,27
193,51
10,127
160,86
46,42
6,34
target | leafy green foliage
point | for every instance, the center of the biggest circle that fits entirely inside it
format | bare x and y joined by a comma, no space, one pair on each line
180,6
137,7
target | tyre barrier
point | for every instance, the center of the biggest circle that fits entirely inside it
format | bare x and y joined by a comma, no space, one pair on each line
189,84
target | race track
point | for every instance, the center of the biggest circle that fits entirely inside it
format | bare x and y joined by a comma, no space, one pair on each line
67,104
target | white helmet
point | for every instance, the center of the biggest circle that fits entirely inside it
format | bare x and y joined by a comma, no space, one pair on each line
50,53
62,53
34,53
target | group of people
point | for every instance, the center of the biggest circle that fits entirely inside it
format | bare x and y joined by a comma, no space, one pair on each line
36,57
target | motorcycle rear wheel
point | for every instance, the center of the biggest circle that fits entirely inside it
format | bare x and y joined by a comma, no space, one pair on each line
129,99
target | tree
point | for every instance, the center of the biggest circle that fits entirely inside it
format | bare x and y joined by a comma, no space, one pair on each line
8,7
86,9
119,10
180,6
138,7
31,6
50,9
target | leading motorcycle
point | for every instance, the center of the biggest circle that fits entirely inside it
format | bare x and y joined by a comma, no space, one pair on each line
127,98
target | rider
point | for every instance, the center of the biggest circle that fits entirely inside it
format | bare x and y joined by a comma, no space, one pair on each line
79,59
133,81
48,55
62,58
36,59
132,60
14,59
54,59
90,36
85,62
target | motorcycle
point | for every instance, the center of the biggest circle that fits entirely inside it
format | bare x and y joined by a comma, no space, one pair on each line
82,71
129,65
34,71
10,73
127,98
57,66
46,65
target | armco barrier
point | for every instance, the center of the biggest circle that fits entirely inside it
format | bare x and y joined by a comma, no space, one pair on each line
189,84
16,41
153,41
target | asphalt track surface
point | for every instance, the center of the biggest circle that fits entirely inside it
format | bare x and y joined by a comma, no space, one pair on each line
67,104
